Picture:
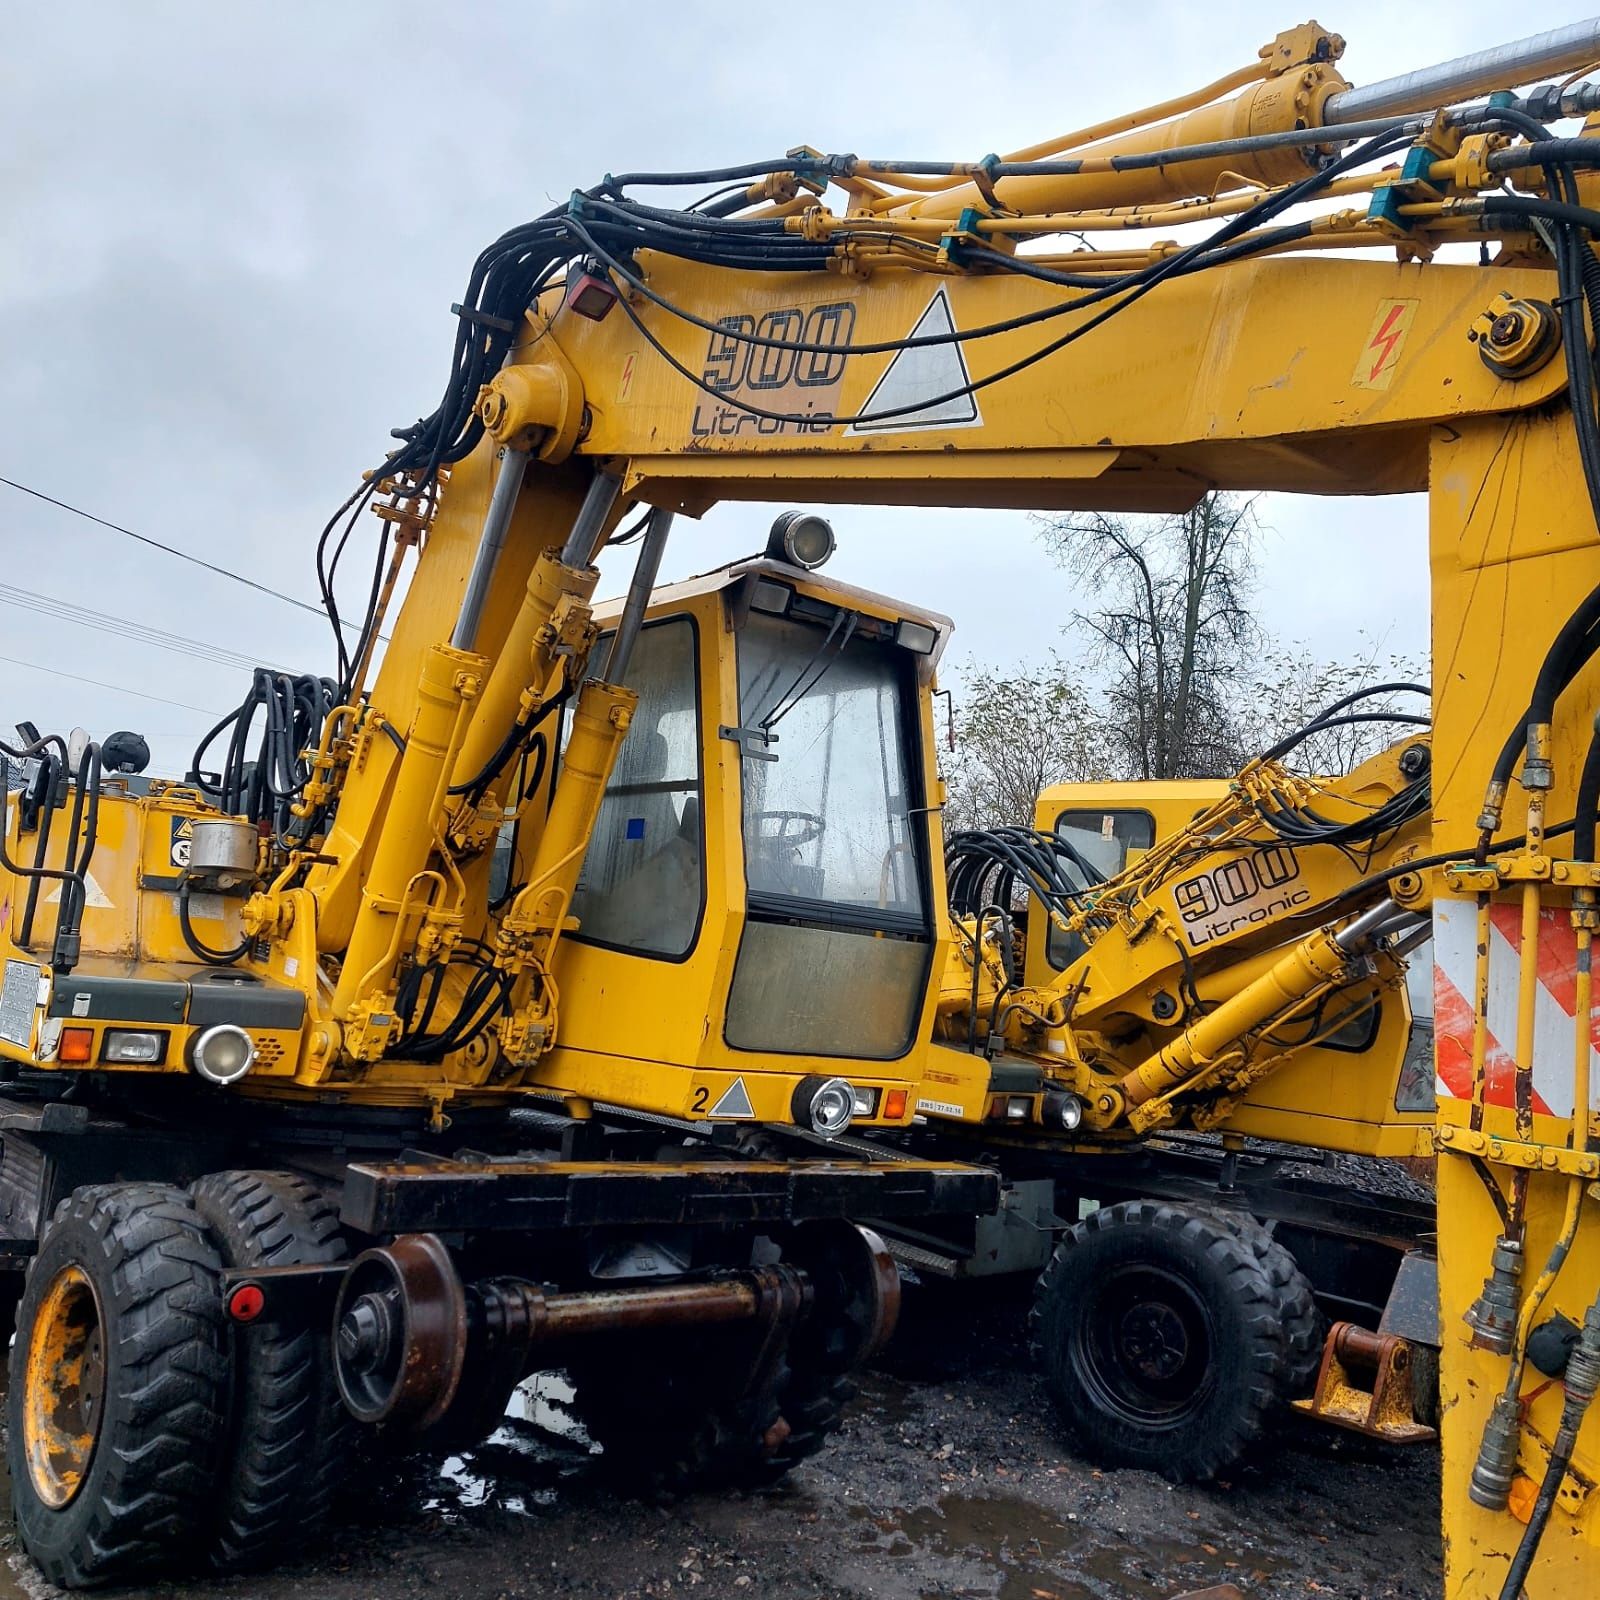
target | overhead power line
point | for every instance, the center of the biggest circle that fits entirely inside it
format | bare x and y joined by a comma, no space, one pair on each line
123,627
171,550
116,688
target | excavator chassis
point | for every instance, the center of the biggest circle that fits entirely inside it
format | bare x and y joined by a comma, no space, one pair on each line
366,1273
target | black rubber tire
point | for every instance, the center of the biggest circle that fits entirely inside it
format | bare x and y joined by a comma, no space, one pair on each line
671,1433
288,1431
146,1495
1304,1327
1143,1265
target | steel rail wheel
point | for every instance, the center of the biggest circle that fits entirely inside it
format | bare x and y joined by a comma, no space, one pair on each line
118,1387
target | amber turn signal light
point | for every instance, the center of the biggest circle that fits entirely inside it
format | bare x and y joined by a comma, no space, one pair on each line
77,1045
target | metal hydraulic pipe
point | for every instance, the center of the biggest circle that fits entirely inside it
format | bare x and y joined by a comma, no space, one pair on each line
1352,938
1501,67
589,527
644,580
507,485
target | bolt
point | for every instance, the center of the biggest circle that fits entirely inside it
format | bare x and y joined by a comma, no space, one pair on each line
362,1334
1506,329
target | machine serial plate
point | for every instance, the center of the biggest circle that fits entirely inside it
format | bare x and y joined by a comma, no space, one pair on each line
19,994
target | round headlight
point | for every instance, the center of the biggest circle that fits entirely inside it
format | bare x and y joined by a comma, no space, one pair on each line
1063,1110
826,1104
801,538
222,1054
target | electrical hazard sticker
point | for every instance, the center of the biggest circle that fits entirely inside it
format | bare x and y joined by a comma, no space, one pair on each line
734,1102
927,384
1380,355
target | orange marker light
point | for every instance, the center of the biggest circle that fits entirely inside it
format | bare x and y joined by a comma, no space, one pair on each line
77,1045
1524,1491
894,1105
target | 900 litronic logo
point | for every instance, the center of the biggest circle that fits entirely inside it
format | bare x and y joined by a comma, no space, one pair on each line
1240,893
802,385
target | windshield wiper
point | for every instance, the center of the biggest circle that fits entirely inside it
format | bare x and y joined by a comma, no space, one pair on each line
822,660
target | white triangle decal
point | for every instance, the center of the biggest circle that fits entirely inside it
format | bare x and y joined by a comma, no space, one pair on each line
923,373
93,894
735,1102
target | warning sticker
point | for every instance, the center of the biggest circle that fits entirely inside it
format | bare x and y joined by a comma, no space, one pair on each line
1380,355
735,1102
925,385
94,897
182,834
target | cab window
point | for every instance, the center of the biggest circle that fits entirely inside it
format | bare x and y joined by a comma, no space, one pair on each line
1102,839
642,887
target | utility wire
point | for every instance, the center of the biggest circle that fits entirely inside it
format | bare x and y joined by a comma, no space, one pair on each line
116,688
122,627
171,550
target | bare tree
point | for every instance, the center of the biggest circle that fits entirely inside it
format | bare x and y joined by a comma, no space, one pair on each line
1016,732
1172,629
1290,687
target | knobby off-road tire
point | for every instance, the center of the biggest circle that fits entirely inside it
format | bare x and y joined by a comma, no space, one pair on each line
675,1428
288,1435
1304,1326
118,1386
1160,1339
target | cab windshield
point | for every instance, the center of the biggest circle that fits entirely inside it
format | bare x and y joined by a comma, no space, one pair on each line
837,936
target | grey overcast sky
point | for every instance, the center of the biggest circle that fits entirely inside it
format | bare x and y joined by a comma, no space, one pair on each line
233,232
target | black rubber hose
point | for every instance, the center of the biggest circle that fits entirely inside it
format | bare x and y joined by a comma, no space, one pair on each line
212,958
1584,820
81,837
35,878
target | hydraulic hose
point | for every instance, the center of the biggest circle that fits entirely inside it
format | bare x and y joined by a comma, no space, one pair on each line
41,849
1582,1377
211,957
82,833
1585,820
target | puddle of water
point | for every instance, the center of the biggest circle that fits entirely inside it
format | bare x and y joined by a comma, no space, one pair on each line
1025,1552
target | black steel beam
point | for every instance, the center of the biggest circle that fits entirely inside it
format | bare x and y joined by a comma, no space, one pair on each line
539,1196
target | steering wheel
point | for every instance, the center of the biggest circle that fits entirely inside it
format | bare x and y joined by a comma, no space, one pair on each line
794,828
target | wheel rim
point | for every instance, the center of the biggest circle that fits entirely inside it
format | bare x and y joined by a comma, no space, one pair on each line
66,1378
1143,1346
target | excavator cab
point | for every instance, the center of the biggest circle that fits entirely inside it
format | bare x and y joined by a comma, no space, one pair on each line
762,872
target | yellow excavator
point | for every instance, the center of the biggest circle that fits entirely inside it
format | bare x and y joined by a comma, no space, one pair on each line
421,1038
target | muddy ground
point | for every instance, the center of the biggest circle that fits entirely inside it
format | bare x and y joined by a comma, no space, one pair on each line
949,1479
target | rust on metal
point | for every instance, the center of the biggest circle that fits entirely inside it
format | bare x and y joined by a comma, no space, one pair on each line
1366,1384
732,1299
